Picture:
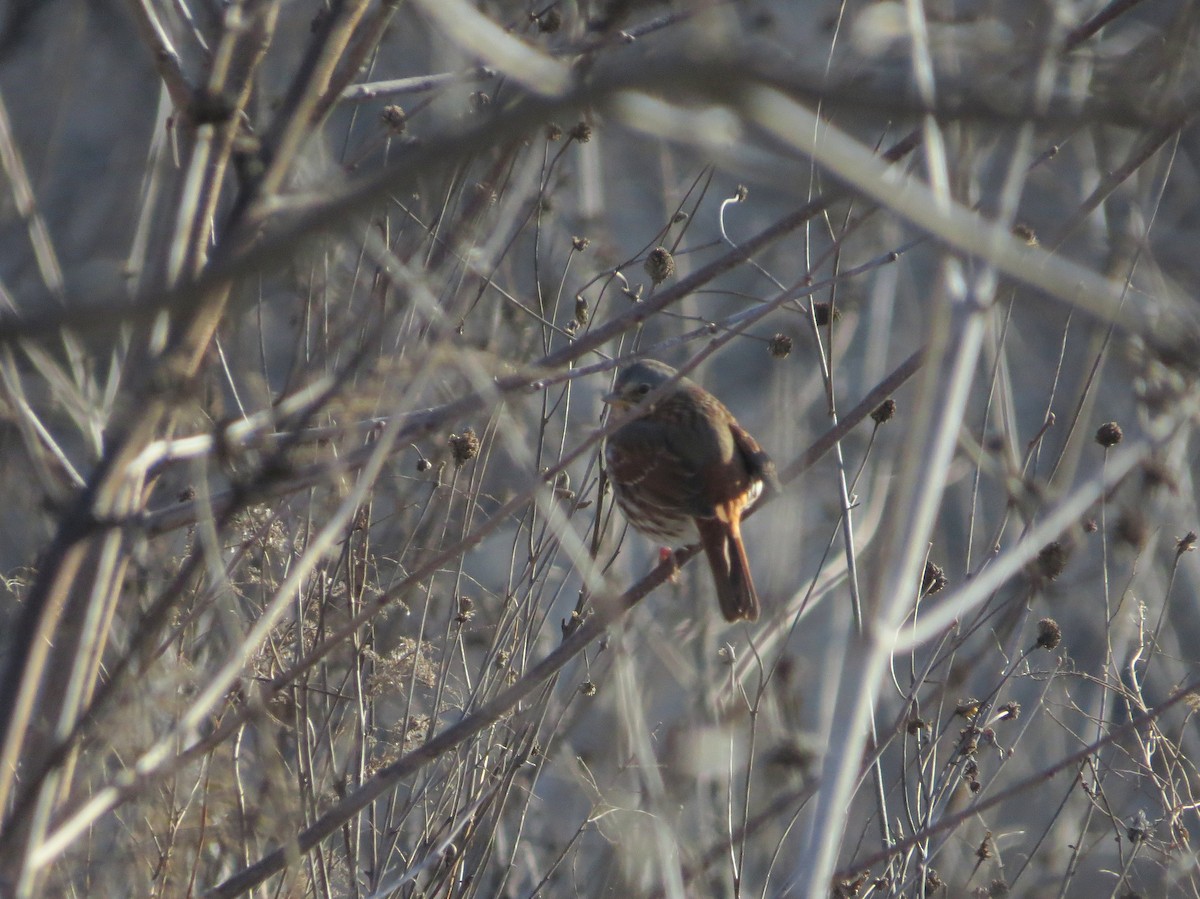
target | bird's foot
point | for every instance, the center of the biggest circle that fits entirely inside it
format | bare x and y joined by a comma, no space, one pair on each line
666,554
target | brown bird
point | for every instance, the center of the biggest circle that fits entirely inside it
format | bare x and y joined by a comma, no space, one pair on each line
684,468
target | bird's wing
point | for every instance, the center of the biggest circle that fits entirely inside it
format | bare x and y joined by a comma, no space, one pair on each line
758,463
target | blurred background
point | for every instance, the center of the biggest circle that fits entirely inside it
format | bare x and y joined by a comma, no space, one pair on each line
307,310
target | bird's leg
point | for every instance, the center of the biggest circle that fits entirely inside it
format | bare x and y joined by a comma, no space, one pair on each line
666,554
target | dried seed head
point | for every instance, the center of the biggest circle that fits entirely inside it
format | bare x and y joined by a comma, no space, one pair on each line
562,487
1010,711
1049,634
780,346
1052,560
579,244
984,850
581,132
933,579
582,313
933,881
424,464
742,192
916,725
968,745
1185,544
998,888
394,118
466,609
554,132
587,688
659,265
1109,434
967,708
848,889
464,447
1139,827
823,312
885,411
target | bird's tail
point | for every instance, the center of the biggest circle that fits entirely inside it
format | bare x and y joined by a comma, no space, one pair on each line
722,542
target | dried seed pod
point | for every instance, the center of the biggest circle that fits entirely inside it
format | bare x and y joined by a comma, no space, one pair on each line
780,346
1049,634
660,264
464,447
1109,434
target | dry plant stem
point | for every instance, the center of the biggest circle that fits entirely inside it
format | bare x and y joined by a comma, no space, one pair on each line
131,784
576,641
54,472
376,90
1149,145
1079,757
927,460
239,53
847,159
491,712
956,225
309,98
635,730
1088,29
483,39
322,472
249,433
166,57
87,561
370,33
128,499
26,206
825,357
218,684
937,418
77,676
966,598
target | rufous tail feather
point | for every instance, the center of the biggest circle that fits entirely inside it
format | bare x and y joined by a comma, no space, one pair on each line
722,542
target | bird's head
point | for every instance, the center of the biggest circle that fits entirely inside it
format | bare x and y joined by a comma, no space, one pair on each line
637,381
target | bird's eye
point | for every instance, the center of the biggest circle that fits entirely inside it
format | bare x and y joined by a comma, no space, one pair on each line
643,389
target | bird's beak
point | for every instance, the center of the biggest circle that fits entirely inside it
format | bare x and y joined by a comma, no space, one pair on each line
611,398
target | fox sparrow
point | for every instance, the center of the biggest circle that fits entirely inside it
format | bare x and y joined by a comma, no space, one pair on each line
684,468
